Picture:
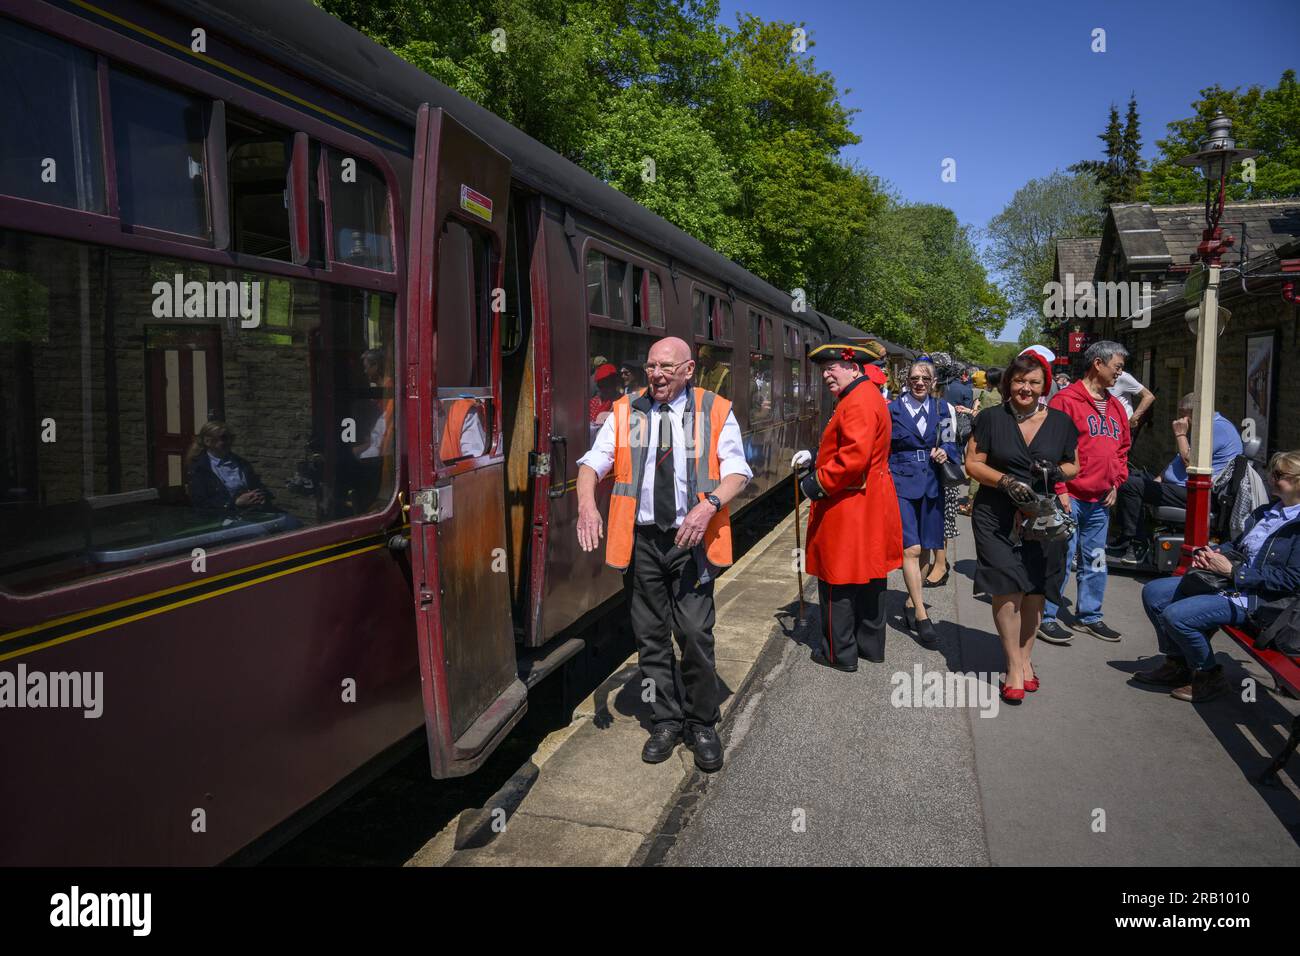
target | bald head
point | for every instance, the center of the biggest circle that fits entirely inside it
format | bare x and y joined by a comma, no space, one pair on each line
670,368
670,350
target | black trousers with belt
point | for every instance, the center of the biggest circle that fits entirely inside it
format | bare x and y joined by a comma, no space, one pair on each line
666,598
853,621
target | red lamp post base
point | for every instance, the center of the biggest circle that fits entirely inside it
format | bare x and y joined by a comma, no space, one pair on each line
1196,534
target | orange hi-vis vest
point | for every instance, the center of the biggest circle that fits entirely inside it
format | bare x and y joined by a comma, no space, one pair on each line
705,415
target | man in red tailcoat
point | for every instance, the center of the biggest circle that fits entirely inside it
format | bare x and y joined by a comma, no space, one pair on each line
855,534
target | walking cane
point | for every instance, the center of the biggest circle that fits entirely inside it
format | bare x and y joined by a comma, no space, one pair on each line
798,546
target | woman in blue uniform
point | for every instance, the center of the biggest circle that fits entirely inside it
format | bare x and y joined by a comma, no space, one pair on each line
923,437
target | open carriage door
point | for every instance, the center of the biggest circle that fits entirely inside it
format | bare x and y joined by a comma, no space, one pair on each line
472,694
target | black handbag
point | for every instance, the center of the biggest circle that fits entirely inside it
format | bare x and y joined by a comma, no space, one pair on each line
951,473
1196,581
1283,635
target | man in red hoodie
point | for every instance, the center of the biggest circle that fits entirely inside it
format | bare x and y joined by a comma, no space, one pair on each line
1104,441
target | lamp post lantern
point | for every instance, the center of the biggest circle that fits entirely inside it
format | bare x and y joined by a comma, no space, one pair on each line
1215,159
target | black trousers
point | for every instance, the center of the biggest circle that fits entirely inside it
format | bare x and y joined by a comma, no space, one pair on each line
1142,489
853,621
666,598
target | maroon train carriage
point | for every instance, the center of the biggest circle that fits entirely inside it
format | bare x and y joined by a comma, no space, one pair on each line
243,246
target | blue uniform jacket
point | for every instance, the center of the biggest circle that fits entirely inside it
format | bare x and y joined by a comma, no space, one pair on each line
1273,579
909,453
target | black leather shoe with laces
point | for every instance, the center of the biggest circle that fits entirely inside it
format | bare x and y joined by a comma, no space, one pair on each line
663,740
704,741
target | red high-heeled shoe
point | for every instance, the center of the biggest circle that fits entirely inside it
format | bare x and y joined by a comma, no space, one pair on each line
1012,695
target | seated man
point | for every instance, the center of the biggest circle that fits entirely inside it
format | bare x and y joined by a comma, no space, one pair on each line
1170,489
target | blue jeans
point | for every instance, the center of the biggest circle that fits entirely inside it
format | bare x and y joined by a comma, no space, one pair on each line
1092,521
1184,626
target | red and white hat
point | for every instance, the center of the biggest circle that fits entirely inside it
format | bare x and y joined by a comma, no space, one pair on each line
1045,356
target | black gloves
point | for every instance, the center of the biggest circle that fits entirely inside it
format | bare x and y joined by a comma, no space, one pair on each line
1053,472
1018,491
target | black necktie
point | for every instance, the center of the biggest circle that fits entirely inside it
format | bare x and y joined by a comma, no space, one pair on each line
665,477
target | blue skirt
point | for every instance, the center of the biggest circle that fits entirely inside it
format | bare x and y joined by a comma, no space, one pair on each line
922,521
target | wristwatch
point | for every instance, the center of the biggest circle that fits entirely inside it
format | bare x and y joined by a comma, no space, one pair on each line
713,500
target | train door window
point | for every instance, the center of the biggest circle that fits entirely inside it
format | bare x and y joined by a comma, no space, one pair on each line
647,299
288,426
360,217
158,141
257,173
793,352
760,368
464,343
50,145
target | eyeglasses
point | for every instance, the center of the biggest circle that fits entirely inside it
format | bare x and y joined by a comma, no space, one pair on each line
920,378
667,369
1278,475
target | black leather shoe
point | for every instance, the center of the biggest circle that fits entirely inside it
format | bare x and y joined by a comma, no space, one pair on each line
663,740
925,630
927,583
817,658
704,741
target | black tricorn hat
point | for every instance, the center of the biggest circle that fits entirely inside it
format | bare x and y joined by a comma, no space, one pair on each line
864,354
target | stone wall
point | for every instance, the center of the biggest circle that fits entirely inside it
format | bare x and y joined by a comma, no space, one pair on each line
1175,364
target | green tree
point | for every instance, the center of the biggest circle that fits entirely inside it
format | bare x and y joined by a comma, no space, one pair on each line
925,286
1119,175
1022,238
1267,120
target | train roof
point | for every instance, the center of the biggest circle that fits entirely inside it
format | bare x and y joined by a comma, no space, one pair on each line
332,53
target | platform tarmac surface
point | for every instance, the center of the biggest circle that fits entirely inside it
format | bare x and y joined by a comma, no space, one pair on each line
823,769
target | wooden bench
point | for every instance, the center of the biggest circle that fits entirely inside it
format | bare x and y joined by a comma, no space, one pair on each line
1286,670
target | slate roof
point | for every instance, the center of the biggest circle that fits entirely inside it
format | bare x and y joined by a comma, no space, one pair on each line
1077,257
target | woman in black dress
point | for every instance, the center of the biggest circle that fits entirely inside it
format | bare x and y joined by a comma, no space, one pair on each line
1007,445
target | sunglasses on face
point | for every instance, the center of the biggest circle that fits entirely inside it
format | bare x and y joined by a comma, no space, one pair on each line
920,378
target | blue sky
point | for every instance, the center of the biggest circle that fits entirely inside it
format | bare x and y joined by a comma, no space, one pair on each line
1011,90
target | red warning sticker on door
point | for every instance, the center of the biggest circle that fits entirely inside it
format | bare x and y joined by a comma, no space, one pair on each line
476,203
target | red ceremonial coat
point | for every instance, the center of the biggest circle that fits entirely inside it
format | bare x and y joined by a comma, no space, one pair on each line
855,534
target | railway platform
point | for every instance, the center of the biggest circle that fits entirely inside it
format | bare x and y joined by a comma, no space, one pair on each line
900,764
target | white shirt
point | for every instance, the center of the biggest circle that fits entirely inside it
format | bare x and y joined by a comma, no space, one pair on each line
1127,389
731,457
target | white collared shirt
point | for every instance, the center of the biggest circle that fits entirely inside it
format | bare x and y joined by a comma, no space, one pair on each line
731,456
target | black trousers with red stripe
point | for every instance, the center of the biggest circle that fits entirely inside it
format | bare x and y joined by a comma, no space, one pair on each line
853,621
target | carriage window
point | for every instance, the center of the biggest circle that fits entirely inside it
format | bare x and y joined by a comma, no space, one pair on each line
158,137
701,310
148,415
616,366
257,172
363,233
793,382
617,288
647,299
713,369
50,147
466,265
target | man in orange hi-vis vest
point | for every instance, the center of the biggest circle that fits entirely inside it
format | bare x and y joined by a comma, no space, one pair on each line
677,458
